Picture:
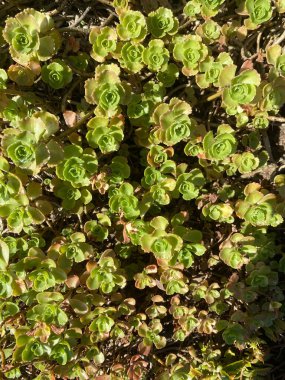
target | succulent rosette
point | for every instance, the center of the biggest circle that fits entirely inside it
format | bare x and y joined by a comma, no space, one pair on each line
258,207
76,249
168,75
221,212
78,166
162,22
189,184
246,162
61,353
232,257
210,31
20,215
210,8
72,198
157,155
155,55
80,61
49,313
31,36
273,95
6,289
107,276
132,26
21,75
131,56
173,123
260,120
10,188
221,146
259,11
120,169
151,176
212,70
151,335
57,74
192,8
45,278
139,109
103,41
280,64
24,150
121,5
161,192
16,109
34,349
14,204
275,56
105,134
106,90
124,201
96,231
191,52
242,89
163,245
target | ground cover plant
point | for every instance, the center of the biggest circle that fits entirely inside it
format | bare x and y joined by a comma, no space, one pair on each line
142,194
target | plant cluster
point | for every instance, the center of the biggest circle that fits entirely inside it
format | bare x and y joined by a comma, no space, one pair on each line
137,238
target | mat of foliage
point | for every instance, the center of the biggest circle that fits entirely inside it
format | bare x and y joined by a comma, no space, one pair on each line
140,221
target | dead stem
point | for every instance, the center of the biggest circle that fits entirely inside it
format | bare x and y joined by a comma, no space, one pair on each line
172,92
108,20
68,93
279,39
278,119
267,145
187,23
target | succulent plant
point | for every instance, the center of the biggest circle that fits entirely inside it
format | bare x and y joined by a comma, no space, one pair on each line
78,166
242,89
123,200
105,134
31,36
259,11
221,146
155,55
191,52
56,74
132,26
132,56
106,90
107,276
104,42
173,122
258,207
140,222
162,22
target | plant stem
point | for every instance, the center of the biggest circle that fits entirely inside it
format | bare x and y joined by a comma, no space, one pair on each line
278,119
181,87
187,23
214,96
279,39
267,145
78,21
77,125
